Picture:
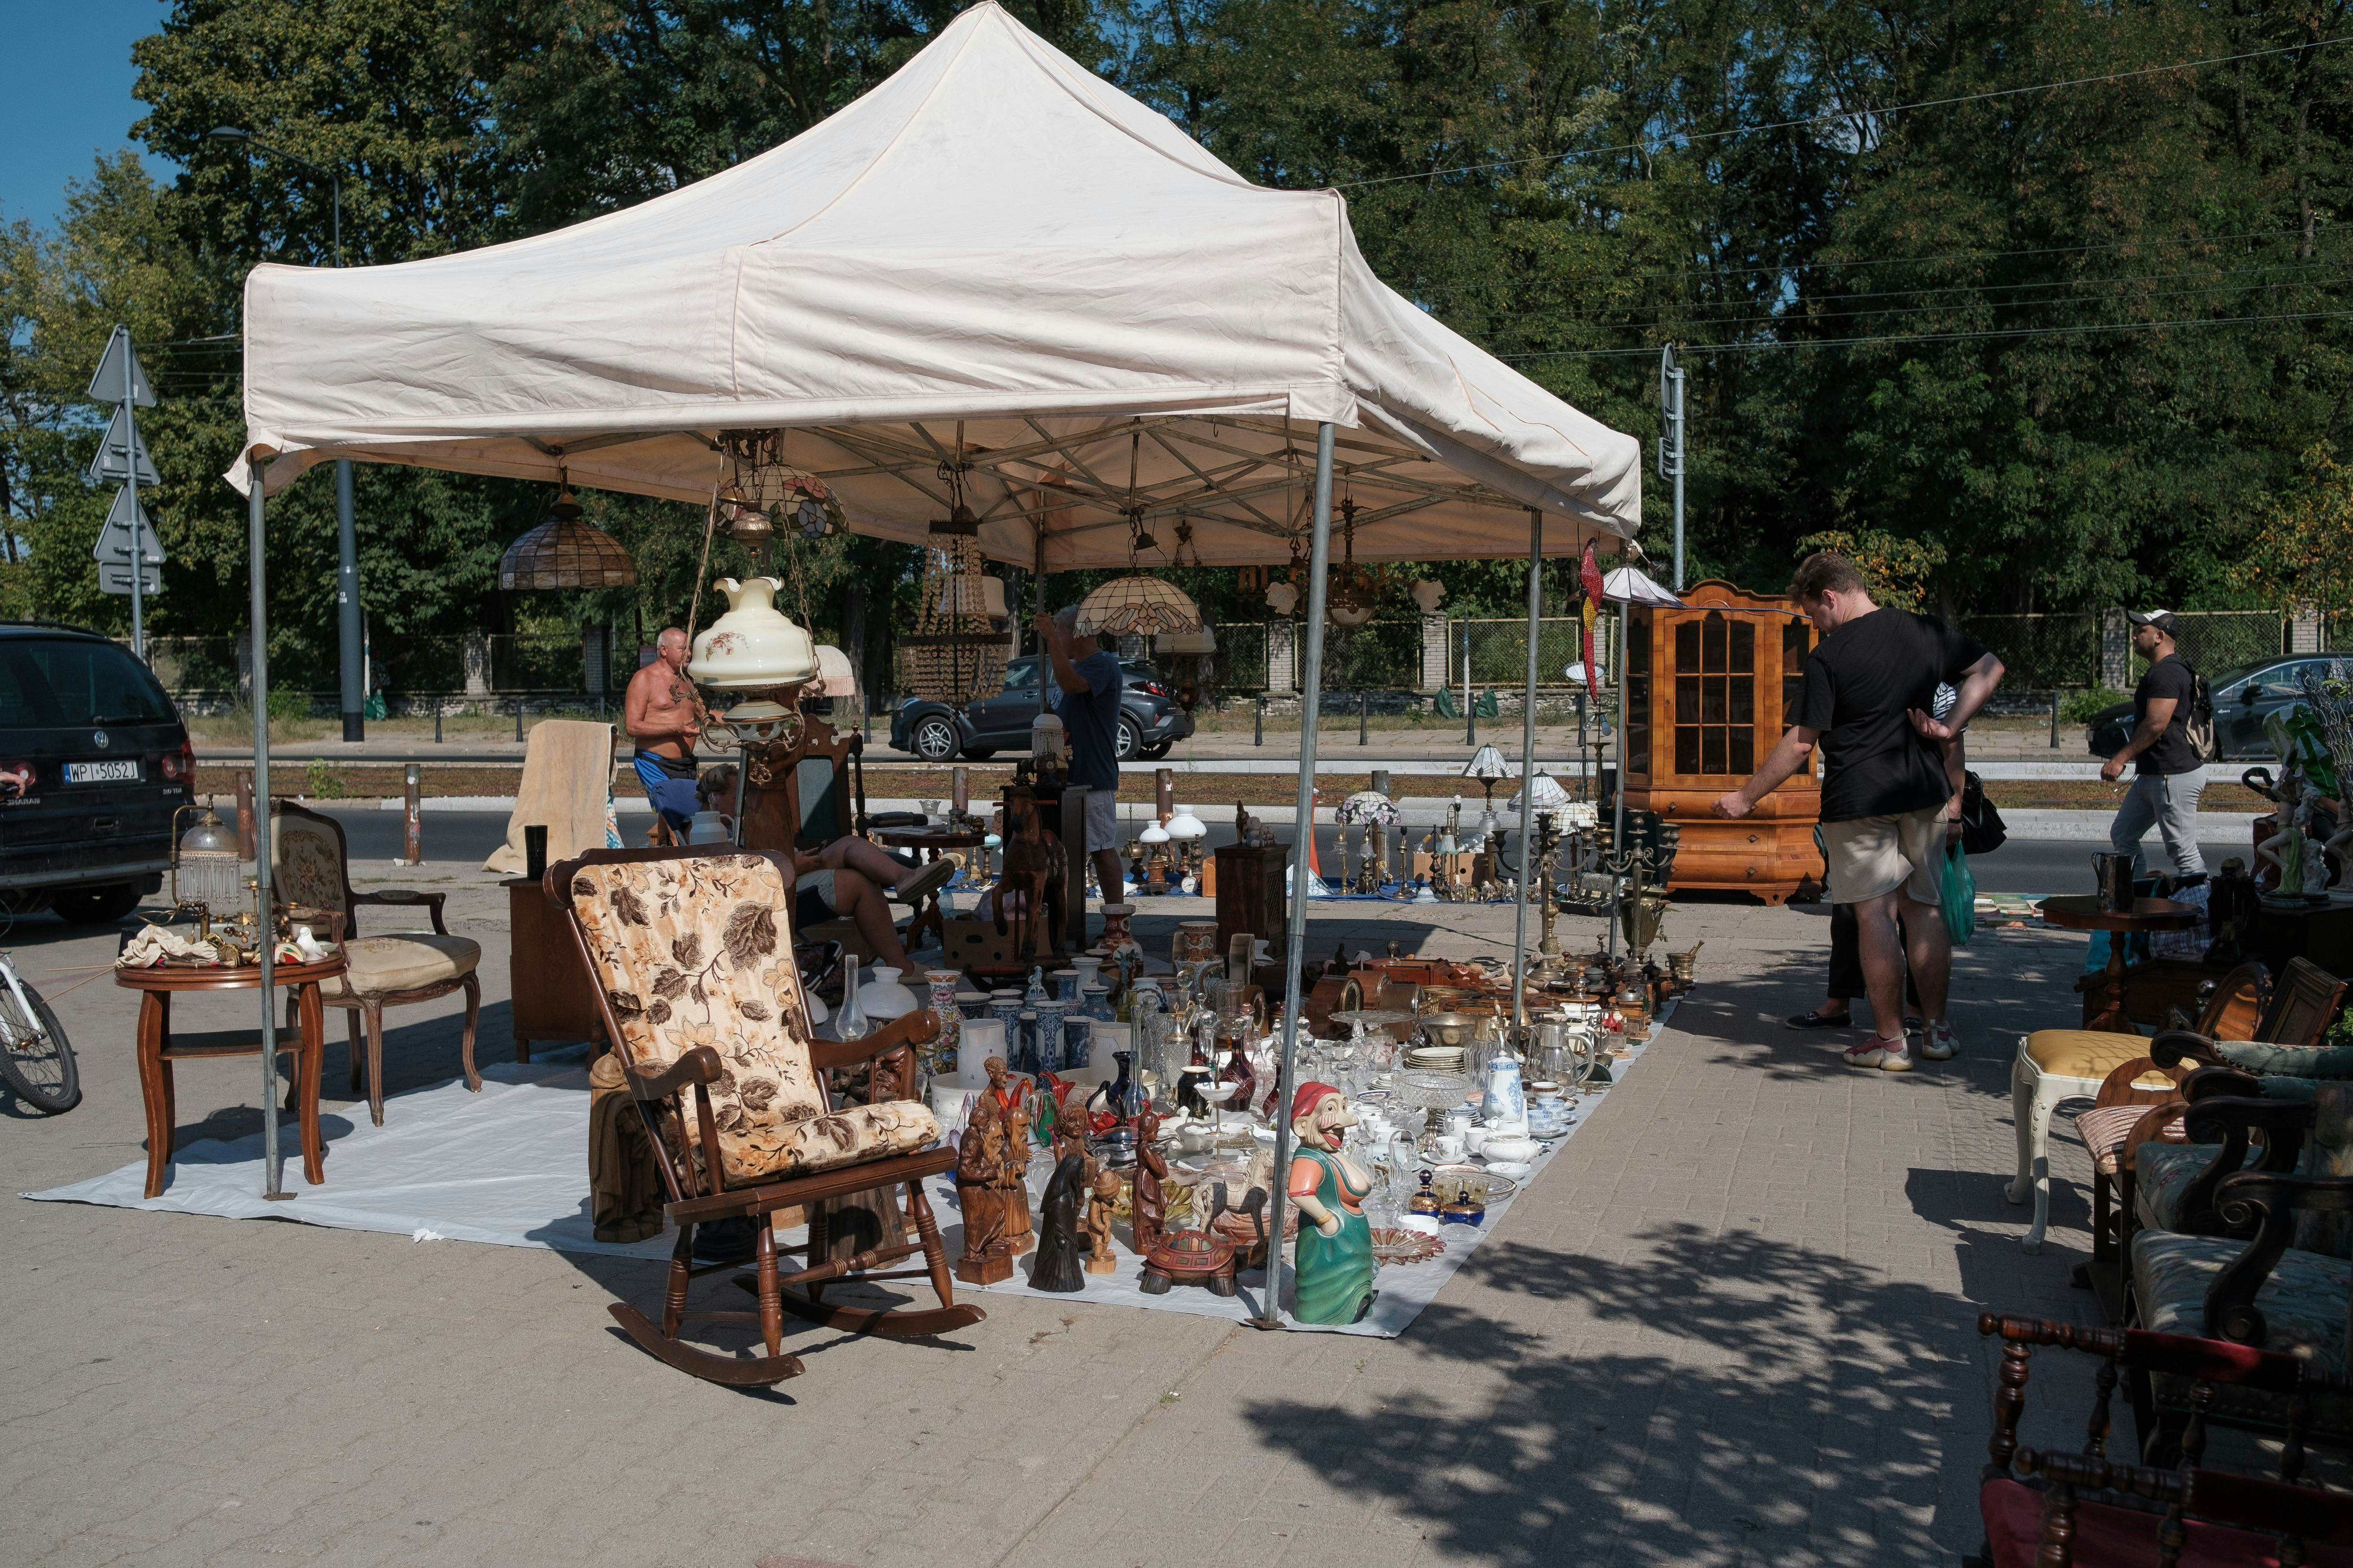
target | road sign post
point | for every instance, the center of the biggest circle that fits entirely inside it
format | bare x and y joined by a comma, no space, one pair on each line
121,379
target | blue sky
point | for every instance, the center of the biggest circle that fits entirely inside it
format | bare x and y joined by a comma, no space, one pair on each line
67,97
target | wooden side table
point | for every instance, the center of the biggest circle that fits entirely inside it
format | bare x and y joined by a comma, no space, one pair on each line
159,1048
554,997
2089,911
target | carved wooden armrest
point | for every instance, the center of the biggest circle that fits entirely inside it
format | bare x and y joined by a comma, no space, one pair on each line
699,1066
2214,1083
407,898
2264,1204
913,1029
2233,1122
2171,1048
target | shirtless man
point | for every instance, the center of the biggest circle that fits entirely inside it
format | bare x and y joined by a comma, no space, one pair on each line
664,717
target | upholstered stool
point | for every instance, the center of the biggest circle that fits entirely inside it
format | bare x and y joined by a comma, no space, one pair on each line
2055,1065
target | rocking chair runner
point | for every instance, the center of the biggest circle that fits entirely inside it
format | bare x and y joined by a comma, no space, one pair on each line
692,951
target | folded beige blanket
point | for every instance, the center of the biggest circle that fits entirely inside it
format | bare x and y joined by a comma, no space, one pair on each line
568,783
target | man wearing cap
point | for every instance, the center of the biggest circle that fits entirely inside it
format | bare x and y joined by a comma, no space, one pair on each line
2168,772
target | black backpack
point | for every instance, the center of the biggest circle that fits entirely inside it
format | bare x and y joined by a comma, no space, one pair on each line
1982,828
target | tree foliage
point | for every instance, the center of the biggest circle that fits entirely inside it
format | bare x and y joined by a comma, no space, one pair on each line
2031,350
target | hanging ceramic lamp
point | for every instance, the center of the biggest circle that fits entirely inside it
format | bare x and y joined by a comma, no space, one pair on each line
564,553
755,651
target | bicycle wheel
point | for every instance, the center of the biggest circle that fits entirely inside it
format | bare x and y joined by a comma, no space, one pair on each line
35,1058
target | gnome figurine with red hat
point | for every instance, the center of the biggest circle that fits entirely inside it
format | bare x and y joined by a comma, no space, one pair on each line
1335,1240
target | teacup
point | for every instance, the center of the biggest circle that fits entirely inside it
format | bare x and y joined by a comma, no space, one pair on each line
1448,1146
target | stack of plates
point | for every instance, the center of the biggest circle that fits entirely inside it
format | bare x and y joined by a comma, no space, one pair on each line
1435,1059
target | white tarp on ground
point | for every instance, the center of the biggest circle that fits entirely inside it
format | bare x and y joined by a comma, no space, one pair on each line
509,1167
995,237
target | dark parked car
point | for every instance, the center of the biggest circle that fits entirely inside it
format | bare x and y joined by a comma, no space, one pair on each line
1150,722
93,763
2243,698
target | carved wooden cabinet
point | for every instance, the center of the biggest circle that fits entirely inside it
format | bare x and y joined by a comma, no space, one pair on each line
1707,686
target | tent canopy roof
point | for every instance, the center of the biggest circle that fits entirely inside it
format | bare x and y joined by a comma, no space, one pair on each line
994,263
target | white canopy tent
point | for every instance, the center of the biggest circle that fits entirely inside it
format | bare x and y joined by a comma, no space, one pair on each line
994,264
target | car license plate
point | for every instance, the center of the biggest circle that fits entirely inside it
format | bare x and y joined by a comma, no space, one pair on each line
126,771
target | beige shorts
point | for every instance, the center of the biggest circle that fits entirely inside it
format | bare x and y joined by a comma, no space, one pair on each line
1102,819
1873,855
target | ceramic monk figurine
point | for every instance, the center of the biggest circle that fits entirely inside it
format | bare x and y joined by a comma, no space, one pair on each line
1058,1265
980,1157
1335,1241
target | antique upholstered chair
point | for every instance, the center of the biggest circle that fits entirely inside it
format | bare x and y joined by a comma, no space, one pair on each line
2043,1506
2054,1066
691,952
308,866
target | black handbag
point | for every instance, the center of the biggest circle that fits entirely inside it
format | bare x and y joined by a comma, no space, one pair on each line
1982,828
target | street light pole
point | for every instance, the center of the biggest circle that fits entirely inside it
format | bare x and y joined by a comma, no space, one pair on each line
347,549
1671,443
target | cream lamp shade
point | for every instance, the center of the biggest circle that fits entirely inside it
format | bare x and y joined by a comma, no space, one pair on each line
1139,606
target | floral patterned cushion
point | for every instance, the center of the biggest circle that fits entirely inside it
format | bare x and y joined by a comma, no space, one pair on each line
306,864
2303,1302
2163,1172
697,951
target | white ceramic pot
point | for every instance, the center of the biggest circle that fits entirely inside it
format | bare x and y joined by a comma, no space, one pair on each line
884,998
754,648
1510,1150
708,828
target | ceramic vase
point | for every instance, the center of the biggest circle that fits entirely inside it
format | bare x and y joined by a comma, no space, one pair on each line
943,984
980,1039
1505,1101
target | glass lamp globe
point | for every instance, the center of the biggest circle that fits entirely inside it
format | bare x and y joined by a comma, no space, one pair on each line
1186,826
1154,834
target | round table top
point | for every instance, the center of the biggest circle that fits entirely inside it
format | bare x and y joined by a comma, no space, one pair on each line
2089,911
930,837
225,977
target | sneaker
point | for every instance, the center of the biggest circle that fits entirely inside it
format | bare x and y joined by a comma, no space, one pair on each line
1874,1052
1939,1044
1896,1058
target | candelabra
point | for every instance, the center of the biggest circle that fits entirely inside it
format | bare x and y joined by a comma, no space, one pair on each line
1538,869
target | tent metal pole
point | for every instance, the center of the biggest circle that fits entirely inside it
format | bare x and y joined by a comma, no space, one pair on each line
1528,783
1618,796
1311,692
264,930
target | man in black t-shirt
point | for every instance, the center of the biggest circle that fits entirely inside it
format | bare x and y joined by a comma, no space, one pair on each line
2169,774
1866,696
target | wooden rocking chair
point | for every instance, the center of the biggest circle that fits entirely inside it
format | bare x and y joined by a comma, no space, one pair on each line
691,950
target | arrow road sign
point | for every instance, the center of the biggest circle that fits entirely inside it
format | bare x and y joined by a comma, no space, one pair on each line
116,579
106,386
122,450
113,547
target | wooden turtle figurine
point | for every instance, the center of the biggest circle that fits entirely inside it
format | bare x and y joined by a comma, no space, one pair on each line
1198,1256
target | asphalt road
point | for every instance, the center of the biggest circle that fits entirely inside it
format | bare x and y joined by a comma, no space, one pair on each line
2021,866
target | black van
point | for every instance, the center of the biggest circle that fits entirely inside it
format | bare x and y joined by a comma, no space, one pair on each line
93,761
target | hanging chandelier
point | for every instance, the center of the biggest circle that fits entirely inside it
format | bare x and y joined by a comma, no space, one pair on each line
564,553
955,654
763,495
1353,593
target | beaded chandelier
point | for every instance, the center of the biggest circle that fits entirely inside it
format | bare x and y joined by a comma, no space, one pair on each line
954,655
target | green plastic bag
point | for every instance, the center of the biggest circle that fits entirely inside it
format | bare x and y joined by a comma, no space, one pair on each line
1960,891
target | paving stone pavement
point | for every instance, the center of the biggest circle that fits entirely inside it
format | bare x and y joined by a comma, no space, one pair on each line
1733,1323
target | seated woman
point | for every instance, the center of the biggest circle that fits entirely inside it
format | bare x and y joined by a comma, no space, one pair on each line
845,879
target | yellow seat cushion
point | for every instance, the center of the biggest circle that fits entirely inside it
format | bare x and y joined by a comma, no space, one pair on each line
2083,1052
380,965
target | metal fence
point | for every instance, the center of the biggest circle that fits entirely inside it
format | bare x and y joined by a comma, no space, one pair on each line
2041,653
1495,653
2213,641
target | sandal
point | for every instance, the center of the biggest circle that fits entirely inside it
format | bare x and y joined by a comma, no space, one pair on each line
1814,1018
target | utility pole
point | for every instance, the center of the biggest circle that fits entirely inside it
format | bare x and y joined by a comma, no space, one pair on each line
1671,443
350,637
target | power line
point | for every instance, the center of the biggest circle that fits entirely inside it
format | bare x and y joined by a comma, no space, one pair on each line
1692,136
1764,344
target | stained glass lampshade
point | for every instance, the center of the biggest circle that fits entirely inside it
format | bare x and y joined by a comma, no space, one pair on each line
565,553
1487,765
1544,792
1138,605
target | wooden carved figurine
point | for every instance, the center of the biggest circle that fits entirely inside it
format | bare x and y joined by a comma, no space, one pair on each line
1058,1265
980,1157
1009,1097
1335,1240
1102,1197
1149,1207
